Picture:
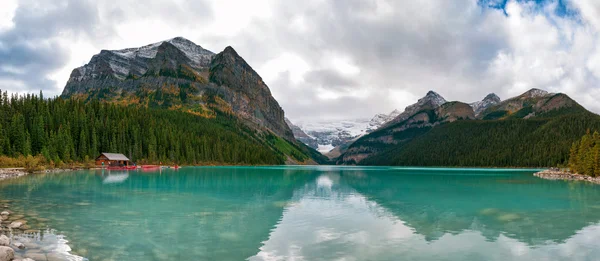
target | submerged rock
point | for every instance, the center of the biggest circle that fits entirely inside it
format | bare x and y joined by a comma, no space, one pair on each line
15,224
6,253
488,211
4,241
35,256
19,245
508,217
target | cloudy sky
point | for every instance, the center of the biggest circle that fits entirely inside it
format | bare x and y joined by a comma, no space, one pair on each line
327,59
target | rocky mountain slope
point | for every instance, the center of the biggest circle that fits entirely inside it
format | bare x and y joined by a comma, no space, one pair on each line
300,135
431,112
179,75
530,104
431,101
489,100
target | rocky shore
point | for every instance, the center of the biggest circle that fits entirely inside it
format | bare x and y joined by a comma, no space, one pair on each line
556,174
12,173
8,173
27,238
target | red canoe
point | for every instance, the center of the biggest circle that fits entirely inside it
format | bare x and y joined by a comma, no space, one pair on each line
150,167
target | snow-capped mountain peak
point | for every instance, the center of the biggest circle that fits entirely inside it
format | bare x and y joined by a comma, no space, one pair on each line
432,99
379,119
489,100
122,63
325,135
198,55
534,93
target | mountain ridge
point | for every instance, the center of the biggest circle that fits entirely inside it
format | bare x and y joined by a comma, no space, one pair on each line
426,115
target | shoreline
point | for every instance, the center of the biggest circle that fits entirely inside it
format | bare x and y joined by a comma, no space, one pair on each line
552,174
11,173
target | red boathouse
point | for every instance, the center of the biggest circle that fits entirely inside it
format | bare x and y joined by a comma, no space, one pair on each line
112,159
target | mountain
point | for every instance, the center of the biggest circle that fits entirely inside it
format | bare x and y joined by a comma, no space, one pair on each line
380,119
530,104
328,135
489,100
533,129
113,67
428,111
179,75
431,100
300,135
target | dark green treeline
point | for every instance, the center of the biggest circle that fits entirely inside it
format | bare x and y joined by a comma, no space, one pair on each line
70,130
584,157
541,142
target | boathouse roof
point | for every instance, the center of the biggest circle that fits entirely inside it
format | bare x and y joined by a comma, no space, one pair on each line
114,156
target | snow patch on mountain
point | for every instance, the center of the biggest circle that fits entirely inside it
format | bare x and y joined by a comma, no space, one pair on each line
199,56
146,51
381,119
122,62
535,93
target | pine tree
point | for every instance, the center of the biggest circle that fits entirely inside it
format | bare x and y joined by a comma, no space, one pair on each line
584,149
17,134
27,146
83,144
573,163
596,160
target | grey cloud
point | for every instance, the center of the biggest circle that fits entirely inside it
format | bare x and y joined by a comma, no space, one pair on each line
330,79
301,103
416,47
401,48
447,46
39,42
32,48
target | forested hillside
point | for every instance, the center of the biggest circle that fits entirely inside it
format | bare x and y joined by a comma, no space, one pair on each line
538,142
71,130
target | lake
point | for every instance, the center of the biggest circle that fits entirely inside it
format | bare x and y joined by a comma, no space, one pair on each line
310,213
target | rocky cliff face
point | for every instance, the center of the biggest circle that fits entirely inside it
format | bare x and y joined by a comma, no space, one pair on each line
178,74
432,100
110,68
255,103
453,111
300,135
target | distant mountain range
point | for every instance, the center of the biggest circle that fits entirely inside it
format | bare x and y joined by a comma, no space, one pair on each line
327,135
535,128
179,75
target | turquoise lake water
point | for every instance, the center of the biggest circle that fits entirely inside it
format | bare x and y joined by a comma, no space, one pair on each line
313,213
